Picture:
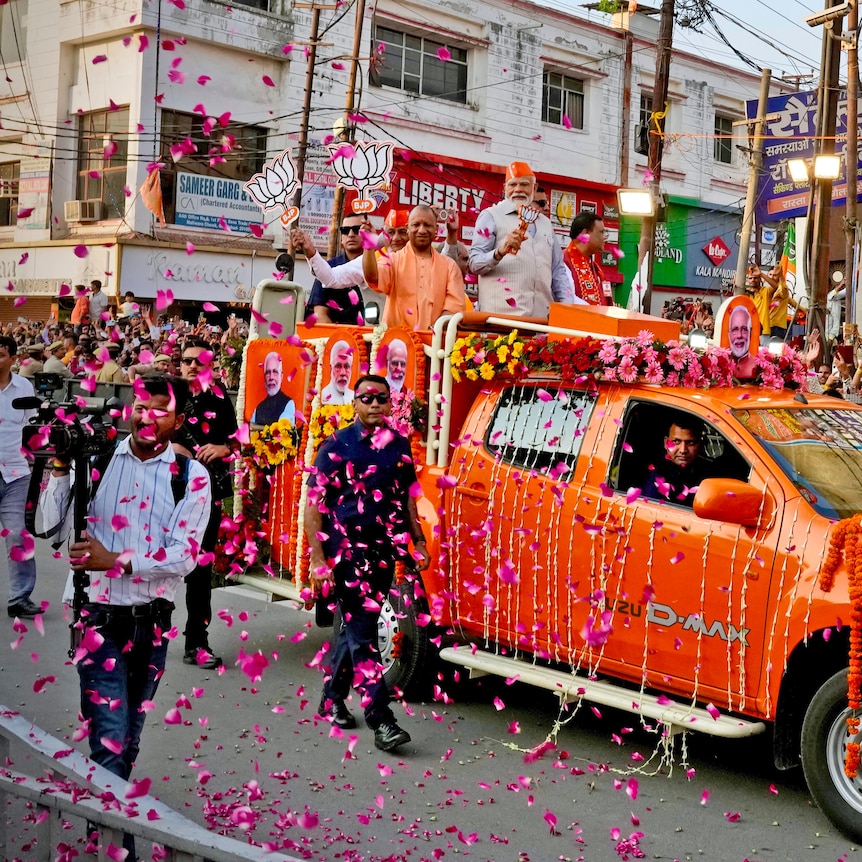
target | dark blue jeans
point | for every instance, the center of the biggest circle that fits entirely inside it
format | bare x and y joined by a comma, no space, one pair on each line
135,651
355,657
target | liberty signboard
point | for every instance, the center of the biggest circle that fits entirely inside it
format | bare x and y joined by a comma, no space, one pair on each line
790,134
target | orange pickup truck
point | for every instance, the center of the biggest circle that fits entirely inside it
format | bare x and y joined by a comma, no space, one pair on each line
563,559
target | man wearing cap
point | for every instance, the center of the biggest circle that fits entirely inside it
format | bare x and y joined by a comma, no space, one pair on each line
54,363
110,372
32,365
520,272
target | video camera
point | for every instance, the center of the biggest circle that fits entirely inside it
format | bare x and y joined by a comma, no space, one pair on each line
64,430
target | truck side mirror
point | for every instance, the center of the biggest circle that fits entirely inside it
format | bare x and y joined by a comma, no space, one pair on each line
732,501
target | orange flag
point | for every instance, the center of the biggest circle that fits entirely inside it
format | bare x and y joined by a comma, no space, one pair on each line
151,195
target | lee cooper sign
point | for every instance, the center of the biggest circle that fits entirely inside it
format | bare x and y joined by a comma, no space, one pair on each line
716,250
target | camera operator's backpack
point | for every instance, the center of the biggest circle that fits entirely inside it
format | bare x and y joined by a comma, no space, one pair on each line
179,480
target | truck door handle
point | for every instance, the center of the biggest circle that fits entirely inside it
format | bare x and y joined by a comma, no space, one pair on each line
477,490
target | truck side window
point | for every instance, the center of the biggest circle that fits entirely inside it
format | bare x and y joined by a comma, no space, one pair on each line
538,429
640,448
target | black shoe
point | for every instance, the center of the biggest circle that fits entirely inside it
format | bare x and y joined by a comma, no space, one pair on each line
203,658
389,736
24,608
337,712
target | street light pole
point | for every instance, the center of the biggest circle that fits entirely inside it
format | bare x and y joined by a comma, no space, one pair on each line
656,141
827,112
851,168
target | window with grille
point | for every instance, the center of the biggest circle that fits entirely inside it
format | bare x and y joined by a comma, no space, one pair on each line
103,179
562,99
419,65
13,31
722,147
235,151
9,174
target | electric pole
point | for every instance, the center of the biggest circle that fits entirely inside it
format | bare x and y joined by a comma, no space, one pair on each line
656,141
851,172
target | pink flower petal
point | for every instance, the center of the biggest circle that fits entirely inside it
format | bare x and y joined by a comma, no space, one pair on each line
444,54
268,81
81,251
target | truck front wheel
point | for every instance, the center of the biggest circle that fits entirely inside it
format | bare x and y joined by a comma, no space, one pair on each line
824,742
404,640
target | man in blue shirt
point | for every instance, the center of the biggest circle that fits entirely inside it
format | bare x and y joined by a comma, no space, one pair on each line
360,517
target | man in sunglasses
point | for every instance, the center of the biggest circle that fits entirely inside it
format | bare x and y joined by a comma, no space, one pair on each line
341,301
359,521
209,434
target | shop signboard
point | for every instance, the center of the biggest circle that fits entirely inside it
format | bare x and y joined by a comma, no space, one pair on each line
213,202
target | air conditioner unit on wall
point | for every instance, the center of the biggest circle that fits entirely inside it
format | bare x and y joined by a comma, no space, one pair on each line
83,211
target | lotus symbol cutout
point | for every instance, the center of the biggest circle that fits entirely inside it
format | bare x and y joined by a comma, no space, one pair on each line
272,187
364,166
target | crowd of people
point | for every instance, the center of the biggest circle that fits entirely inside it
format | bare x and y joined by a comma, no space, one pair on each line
115,343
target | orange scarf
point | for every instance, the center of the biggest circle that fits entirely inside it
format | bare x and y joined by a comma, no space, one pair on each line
588,278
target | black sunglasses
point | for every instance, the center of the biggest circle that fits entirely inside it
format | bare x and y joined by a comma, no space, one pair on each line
371,397
354,228
542,203
187,360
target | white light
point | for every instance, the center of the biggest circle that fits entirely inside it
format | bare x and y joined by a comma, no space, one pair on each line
775,347
798,169
635,202
697,339
827,167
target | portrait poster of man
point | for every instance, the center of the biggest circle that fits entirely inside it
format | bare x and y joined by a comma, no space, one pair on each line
277,378
737,326
396,359
342,365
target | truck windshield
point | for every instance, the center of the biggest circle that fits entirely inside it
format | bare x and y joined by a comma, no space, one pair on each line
820,451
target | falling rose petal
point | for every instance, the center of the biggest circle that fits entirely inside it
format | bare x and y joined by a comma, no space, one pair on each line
498,704
113,745
208,306
663,700
632,495
19,301
566,121
116,854
40,683
173,716
544,395
514,727
99,58
606,491
190,248
632,788
704,797
119,522
138,788
733,816
164,298
551,820
275,329
677,558
713,711
25,212
618,253
444,54
81,251
268,81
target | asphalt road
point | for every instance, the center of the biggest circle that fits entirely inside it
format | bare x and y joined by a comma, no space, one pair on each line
464,787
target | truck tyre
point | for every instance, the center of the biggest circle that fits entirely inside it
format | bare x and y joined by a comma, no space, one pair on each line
405,645
824,738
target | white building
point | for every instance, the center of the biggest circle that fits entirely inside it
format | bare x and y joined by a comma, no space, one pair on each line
93,94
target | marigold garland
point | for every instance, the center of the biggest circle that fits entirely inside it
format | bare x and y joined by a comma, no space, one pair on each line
845,544
274,443
326,420
645,359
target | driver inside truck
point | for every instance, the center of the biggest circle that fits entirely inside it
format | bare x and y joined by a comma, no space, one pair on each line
677,477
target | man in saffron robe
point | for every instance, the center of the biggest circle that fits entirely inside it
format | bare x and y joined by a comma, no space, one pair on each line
420,284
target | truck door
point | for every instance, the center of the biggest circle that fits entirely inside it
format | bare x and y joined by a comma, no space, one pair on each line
513,511
689,595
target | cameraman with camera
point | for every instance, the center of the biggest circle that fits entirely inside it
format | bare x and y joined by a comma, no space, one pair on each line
14,481
144,526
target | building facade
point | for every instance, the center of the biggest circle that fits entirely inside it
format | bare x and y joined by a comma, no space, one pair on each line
95,96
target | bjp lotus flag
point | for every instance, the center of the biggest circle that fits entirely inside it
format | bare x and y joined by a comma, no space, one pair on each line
151,195
788,258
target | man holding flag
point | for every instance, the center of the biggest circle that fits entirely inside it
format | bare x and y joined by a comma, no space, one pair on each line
782,278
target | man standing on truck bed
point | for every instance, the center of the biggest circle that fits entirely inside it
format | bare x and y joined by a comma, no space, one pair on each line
521,269
359,519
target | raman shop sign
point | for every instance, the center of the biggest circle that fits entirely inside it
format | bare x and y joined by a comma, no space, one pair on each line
789,134
213,202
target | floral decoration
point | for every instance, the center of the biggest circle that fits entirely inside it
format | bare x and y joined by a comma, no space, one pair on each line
408,413
846,544
274,444
326,420
644,359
